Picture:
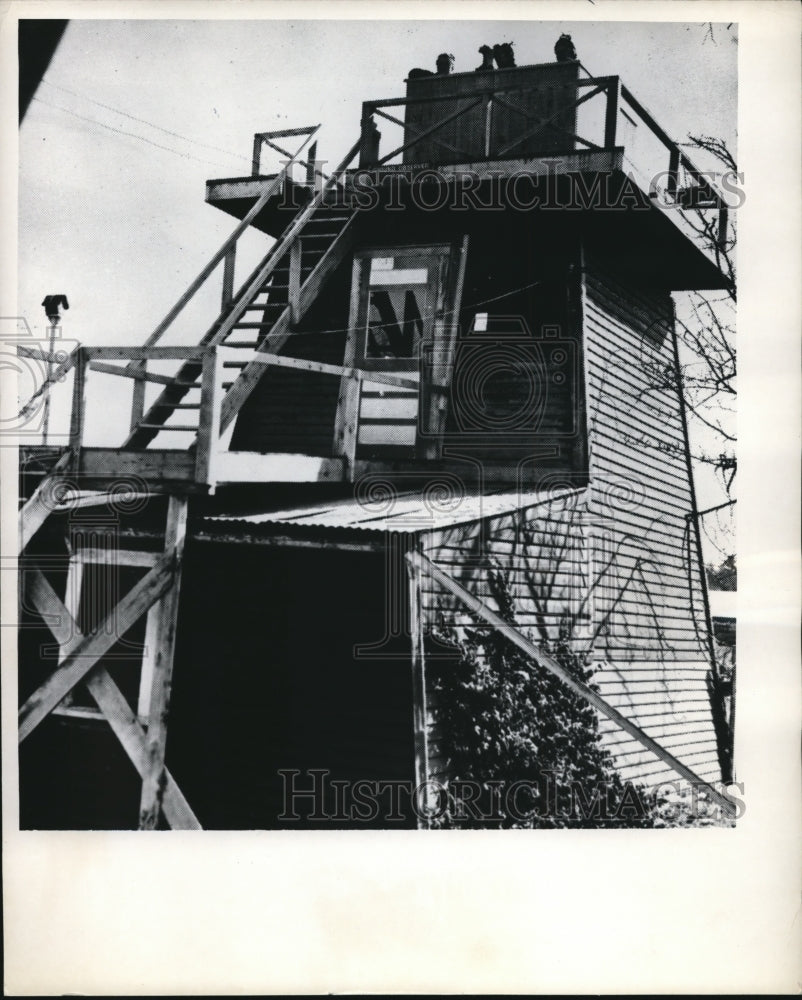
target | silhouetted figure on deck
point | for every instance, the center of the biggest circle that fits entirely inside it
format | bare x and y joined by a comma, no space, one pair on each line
445,63
504,56
564,49
487,60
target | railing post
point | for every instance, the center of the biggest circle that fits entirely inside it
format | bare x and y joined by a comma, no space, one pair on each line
370,136
209,418
138,395
229,263
257,154
723,218
673,171
611,116
311,164
78,400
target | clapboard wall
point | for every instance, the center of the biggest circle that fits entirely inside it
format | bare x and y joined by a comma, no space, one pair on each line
541,550
648,605
617,560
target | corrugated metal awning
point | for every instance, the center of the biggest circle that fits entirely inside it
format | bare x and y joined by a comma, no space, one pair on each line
408,513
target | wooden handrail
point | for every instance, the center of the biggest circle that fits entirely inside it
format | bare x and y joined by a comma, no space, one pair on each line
260,203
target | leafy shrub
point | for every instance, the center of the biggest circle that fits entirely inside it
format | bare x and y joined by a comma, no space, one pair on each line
507,725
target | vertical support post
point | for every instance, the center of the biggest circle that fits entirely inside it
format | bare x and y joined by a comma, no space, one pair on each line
229,263
138,397
346,422
369,138
311,165
611,115
154,776
673,171
446,327
723,218
72,604
51,350
78,415
257,154
294,294
209,419
419,712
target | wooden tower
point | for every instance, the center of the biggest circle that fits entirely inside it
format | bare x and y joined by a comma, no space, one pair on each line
457,354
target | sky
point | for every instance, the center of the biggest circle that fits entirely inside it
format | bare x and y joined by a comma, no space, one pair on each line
133,117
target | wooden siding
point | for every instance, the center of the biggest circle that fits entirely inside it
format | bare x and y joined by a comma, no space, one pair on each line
648,603
617,561
541,550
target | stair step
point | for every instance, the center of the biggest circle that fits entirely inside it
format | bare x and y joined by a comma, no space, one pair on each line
250,345
251,326
235,364
164,427
178,406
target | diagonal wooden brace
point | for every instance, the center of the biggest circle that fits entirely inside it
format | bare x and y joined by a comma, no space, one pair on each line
82,652
421,563
110,701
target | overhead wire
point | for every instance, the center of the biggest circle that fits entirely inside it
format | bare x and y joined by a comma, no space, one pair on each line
132,135
145,121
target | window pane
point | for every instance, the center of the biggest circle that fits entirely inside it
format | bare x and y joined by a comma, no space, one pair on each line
398,305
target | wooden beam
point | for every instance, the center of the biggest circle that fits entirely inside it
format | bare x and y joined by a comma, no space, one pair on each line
162,465
208,441
110,700
138,396
40,505
547,121
433,128
278,467
131,735
142,376
137,353
419,710
155,746
346,420
294,291
118,557
83,652
547,662
611,113
443,361
320,368
78,415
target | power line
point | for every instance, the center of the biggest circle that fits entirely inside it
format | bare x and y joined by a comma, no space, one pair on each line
133,135
144,121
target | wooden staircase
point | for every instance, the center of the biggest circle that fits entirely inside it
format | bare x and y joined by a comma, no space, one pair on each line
254,322
261,317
